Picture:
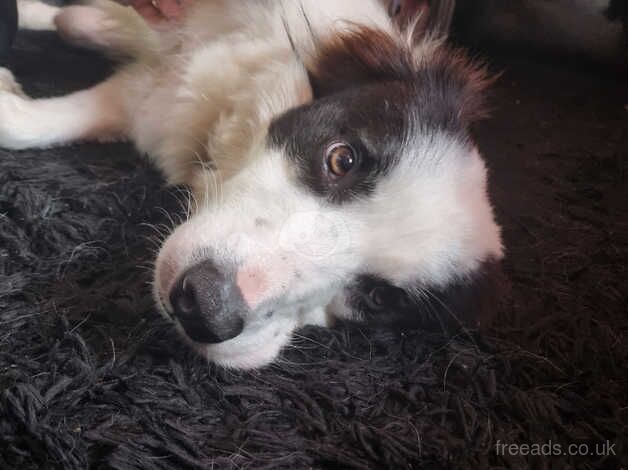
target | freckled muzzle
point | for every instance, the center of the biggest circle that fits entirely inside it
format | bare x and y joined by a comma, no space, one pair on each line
208,304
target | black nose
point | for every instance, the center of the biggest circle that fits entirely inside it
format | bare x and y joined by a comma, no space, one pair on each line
208,304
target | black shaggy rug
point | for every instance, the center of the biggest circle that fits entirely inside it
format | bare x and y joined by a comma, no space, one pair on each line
91,377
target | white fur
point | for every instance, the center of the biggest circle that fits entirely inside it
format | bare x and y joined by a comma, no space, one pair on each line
212,88
9,85
36,15
91,114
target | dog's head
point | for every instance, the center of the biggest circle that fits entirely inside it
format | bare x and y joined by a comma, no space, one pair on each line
365,202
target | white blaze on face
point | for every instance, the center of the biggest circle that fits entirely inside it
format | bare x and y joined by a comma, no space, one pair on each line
303,242
315,235
428,220
282,241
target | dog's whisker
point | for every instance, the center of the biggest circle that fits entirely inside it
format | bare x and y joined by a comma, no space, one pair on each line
155,228
460,323
173,225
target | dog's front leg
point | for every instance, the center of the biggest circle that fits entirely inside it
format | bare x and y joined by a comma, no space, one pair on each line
37,15
94,114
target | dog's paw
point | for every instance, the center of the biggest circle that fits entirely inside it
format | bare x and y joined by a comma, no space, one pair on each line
8,83
11,108
86,26
109,27
36,15
13,103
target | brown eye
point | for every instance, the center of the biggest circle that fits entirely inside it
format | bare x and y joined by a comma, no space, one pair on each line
340,160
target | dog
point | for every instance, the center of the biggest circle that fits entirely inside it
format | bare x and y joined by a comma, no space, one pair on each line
328,148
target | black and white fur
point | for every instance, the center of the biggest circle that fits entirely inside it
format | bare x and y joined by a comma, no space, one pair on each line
244,102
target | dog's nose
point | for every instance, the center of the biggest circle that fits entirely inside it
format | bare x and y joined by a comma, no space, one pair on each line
207,304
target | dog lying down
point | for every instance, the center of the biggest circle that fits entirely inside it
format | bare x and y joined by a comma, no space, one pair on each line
327,147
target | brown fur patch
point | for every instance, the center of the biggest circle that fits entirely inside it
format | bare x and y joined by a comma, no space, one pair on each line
443,81
363,55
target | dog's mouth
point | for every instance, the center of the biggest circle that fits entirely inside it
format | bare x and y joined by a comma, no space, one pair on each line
225,286
242,337
257,343
256,346
196,335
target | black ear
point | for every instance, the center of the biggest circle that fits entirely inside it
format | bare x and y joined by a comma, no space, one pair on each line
471,302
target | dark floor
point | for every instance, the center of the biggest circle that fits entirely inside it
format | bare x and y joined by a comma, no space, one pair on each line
89,376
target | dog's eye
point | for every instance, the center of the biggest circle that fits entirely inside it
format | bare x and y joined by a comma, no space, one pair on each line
340,160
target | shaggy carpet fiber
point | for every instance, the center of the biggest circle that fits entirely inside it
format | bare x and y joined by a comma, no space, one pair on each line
91,377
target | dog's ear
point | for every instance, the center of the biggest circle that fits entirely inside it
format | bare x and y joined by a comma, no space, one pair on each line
406,12
361,54
424,17
451,85
355,57
437,75
471,302
440,17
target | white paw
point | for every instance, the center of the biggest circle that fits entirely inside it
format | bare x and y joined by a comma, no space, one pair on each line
85,26
36,15
8,84
13,109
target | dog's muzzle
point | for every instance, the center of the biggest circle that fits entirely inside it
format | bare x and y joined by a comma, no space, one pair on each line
208,304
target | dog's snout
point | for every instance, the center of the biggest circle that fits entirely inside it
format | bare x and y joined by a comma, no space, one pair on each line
207,304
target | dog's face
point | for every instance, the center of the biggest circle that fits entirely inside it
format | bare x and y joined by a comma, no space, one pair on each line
371,194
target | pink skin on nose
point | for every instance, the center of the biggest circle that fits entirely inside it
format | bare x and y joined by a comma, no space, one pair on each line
253,284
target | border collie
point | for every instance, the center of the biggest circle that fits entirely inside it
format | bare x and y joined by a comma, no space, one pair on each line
326,144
